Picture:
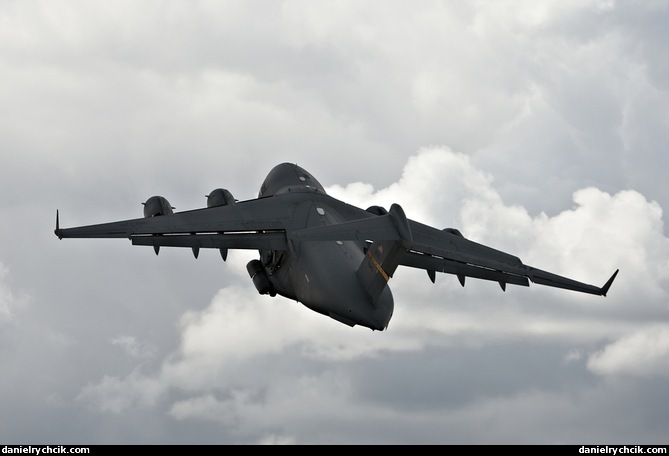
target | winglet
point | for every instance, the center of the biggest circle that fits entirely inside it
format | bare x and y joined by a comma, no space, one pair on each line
607,285
57,230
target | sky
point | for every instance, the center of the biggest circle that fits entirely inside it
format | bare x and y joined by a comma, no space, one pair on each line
537,128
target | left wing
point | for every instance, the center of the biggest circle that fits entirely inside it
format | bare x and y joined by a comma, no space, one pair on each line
445,251
252,224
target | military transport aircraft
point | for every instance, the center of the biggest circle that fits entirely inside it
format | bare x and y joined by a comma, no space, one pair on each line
334,258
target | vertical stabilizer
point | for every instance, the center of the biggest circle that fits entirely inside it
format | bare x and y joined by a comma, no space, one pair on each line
383,257
379,265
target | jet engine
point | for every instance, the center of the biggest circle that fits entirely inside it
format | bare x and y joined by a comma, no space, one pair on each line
453,231
157,205
432,274
220,197
377,210
260,279
154,207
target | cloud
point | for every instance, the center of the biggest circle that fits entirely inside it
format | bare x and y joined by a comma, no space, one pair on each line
599,233
113,394
555,114
6,298
433,185
643,353
10,302
132,347
215,366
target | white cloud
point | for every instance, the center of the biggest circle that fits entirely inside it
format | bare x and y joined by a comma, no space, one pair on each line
644,353
116,395
600,233
587,242
208,408
132,347
240,327
431,189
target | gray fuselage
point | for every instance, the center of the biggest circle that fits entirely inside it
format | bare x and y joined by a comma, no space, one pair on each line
321,275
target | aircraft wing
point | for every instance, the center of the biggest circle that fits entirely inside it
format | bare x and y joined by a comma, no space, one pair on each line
252,224
446,251
443,251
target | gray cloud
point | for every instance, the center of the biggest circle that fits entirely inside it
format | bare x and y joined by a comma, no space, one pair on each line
536,128
461,357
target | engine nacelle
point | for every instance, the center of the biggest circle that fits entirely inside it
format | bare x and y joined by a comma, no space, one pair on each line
377,210
220,197
157,205
453,231
260,279
432,273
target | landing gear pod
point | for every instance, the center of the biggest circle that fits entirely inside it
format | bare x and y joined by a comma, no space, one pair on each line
157,205
260,279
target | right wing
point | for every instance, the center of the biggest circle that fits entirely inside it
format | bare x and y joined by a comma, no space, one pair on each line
443,251
447,251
